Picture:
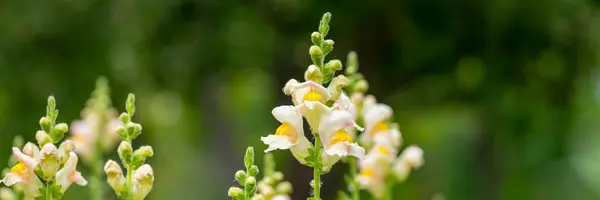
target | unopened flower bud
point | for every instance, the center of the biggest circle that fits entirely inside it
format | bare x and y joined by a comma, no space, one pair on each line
268,180
31,150
313,73
253,171
240,176
413,156
49,161
42,138
62,128
130,104
277,176
336,85
290,86
284,188
352,63
250,185
328,46
324,25
334,64
125,118
7,194
116,180
361,86
46,124
258,197
235,192
316,38
140,155
144,179
122,132
401,170
137,130
125,153
249,157
65,149
316,54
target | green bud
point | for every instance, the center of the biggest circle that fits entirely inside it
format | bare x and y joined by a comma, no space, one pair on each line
277,176
130,104
361,86
327,46
335,65
125,118
18,141
269,180
250,185
140,155
284,188
46,124
316,38
253,171
316,54
122,133
336,85
258,197
240,177
61,128
235,192
313,73
125,153
249,157
51,103
324,25
352,63
42,138
137,130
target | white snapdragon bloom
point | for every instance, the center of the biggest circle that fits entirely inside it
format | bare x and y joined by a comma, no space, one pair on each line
69,174
382,154
290,134
411,158
281,197
23,174
310,98
85,133
49,160
372,179
143,181
375,115
334,130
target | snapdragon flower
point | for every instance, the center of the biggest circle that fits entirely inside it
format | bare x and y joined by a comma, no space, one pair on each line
290,134
85,133
23,175
411,158
334,131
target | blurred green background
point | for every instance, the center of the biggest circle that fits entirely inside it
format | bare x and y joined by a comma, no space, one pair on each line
502,95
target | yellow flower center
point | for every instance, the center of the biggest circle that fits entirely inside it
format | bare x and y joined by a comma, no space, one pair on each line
313,96
379,127
21,170
340,136
368,172
287,130
384,150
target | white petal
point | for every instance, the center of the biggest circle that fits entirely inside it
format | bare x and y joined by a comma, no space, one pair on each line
29,162
356,151
339,149
11,179
335,121
281,197
401,171
277,142
290,115
81,128
413,156
77,178
31,150
290,86
313,111
328,161
315,87
48,150
378,112
344,103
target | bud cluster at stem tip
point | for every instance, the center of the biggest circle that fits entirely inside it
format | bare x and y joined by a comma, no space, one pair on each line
247,179
320,71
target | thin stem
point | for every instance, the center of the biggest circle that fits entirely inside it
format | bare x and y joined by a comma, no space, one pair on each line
389,185
96,188
317,168
354,185
129,177
48,192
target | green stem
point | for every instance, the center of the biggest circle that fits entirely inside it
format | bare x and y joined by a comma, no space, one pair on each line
129,178
389,186
317,168
96,188
354,185
48,191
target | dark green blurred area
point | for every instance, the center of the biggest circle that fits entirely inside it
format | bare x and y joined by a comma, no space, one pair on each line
502,95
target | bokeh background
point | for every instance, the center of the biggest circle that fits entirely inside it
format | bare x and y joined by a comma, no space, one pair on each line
503,95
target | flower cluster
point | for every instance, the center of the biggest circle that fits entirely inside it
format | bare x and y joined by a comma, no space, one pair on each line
247,179
47,167
272,186
381,137
96,132
138,181
327,110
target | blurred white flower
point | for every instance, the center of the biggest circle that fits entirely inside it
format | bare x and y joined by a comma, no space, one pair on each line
85,132
23,174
